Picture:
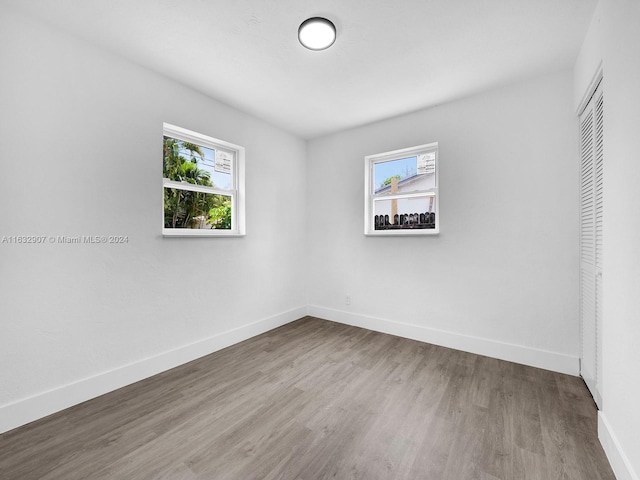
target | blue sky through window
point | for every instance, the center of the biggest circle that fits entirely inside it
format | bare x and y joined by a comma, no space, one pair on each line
405,167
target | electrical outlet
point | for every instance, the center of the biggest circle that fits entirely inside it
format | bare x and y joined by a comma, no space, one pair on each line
347,300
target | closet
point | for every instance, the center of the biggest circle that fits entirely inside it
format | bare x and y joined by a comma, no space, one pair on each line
591,203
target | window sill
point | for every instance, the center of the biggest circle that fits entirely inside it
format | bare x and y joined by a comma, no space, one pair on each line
402,233
200,233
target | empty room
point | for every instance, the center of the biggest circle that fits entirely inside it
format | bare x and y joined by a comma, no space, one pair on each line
285,239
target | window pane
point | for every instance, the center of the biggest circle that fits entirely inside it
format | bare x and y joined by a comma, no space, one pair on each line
189,162
384,172
404,213
405,174
196,210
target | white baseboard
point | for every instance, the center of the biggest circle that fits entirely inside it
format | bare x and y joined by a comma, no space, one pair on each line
619,461
556,362
38,406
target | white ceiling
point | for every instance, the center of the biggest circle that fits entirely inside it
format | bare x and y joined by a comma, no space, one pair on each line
390,57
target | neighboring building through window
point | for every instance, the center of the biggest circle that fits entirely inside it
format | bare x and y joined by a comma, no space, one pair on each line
203,183
401,192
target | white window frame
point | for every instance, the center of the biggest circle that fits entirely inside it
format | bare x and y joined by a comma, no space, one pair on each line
238,228
370,196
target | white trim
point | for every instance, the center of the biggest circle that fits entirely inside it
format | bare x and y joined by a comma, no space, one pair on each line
402,153
620,463
190,136
192,187
237,194
194,232
591,89
397,196
557,362
403,233
370,197
38,406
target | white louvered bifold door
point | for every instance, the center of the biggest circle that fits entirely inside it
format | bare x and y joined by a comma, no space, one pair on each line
591,202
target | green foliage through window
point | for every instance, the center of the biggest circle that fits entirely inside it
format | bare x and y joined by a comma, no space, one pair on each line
188,208
388,180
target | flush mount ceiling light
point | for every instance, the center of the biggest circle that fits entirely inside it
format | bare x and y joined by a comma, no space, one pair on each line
317,33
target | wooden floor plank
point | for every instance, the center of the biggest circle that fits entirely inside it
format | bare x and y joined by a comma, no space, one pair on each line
316,400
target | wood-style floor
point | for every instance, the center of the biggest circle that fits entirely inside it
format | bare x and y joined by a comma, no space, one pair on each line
315,400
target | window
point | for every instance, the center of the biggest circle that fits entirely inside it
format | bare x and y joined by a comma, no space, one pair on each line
203,185
401,192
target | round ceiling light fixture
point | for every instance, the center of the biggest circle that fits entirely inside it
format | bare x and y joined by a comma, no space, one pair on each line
317,33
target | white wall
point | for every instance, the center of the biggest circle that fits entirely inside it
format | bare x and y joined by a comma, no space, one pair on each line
81,133
502,277
613,39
